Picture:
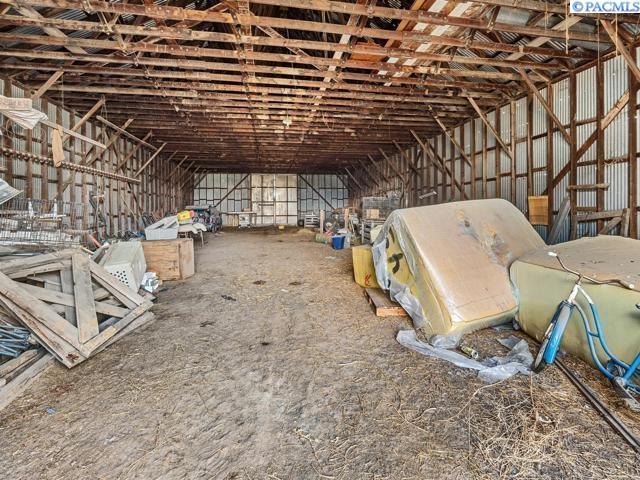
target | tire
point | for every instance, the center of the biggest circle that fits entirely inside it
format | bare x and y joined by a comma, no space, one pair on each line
558,322
539,364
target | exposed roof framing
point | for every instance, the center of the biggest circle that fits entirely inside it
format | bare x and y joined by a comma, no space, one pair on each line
292,85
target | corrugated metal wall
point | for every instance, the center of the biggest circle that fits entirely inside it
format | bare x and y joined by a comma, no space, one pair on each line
41,181
496,176
308,193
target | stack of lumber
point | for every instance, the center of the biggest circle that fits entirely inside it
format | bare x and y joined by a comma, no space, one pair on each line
73,306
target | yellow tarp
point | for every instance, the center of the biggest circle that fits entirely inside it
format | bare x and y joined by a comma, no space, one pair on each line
448,264
364,272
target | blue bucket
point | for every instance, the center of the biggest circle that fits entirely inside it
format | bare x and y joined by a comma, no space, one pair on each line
337,242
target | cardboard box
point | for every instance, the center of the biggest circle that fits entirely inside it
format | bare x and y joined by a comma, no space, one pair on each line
538,210
372,213
170,259
363,269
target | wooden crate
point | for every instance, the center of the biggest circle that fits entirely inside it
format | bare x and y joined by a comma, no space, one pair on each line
538,207
382,304
170,259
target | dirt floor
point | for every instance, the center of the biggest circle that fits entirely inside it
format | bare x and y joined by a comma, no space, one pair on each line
269,364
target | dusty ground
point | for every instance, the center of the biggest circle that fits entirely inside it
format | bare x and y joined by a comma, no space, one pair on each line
293,377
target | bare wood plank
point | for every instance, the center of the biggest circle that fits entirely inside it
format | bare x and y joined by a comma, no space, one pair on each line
175,169
485,120
380,170
39,310
383,305
604,123
544,104
624,222
66,283
99,104
132,153
151,158
610,225
118,289
590,217
18,385
73,134
620,47
86,317
354,179
453,140
10,266
9,366
142,320
39,269
67,300
46,85
589,186
90,347
563,213
125,133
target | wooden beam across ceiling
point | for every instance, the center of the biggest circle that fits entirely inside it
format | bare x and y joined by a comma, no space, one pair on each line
287,84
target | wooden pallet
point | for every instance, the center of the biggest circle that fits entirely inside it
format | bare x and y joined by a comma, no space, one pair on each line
383,306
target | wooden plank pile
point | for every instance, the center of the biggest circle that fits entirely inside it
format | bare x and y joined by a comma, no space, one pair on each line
18,373
73,307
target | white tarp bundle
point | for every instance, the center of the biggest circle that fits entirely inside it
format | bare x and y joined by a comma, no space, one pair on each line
21,111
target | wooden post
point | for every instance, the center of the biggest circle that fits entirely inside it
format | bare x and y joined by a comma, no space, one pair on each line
600,176
530,162
513,145
497,155
632,170
472,131
549,157
485,160
573,178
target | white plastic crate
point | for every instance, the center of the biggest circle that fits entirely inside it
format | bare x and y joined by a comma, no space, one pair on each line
125,261
164,229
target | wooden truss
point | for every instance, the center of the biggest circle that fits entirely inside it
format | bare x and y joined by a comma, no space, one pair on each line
308,85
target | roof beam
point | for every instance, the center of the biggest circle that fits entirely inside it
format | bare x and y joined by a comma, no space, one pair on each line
620,47
199,52
177,13
277,41
471,87
545,105
29,12
486,121
46,85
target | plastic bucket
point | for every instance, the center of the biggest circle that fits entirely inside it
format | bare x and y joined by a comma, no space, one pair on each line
337,242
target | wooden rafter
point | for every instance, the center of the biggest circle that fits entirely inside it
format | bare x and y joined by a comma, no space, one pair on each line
315,83
545,105
486,121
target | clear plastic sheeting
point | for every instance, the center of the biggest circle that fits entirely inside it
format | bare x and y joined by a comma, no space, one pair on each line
490,370
7,192
150,282
448,264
